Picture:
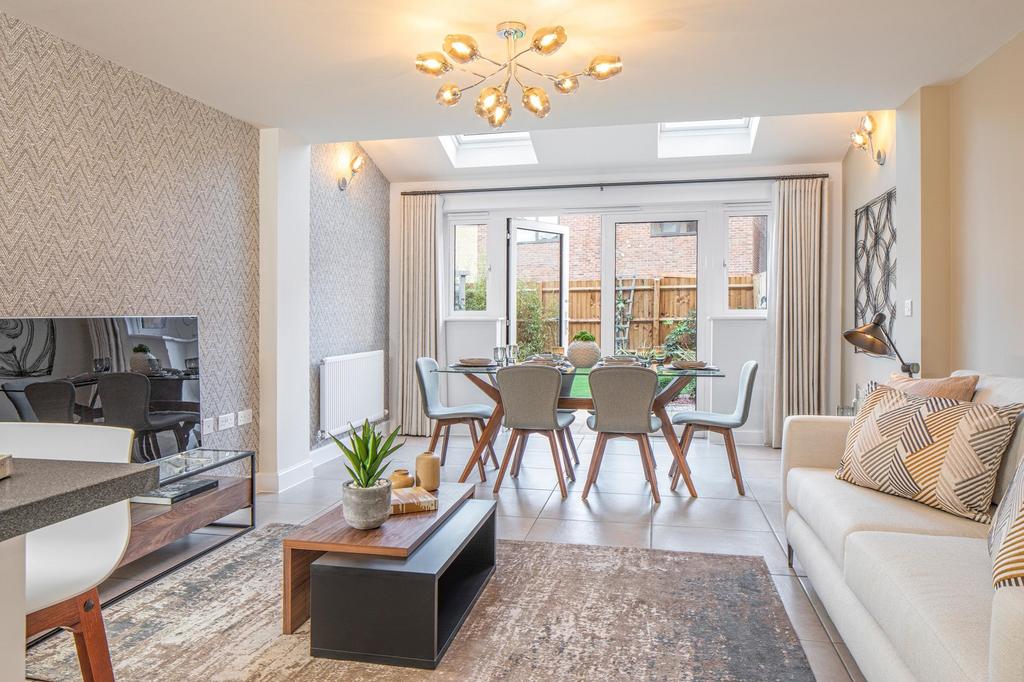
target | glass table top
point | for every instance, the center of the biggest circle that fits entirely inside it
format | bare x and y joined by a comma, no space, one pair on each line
182,465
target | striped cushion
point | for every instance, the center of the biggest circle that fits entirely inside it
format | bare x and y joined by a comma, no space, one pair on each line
1006,539
942,452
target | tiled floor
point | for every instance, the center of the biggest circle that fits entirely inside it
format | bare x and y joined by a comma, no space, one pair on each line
620,511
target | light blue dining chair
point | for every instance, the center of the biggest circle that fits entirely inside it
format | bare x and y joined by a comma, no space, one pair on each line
722,424
446,416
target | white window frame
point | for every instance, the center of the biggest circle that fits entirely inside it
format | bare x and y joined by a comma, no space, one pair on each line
742,211
495,292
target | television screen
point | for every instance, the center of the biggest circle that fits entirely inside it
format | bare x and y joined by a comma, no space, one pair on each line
136,372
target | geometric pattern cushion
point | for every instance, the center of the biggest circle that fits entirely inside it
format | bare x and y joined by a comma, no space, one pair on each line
957,388
941,452
1006,539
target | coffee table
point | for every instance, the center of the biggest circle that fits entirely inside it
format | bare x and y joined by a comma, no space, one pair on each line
397,538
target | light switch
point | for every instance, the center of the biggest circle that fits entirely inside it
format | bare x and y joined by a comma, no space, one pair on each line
908,308
244,417
226,421
209,425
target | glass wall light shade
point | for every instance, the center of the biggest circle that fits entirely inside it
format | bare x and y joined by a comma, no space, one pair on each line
488,101
357,164
432,63
547,40
604,67
566,83
859,139
449,95
867,124
461,48
502,112
536,101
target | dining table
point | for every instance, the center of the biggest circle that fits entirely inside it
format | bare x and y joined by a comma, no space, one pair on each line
575,395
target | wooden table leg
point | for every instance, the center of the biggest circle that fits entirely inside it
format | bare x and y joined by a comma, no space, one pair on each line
476,457
296,587
660,402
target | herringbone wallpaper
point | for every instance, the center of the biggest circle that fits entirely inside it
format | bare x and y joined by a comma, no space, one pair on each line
119,196
348,264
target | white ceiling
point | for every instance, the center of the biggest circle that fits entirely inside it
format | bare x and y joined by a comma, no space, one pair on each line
781,140
333,70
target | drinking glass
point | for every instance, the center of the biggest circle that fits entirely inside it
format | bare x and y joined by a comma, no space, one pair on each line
499,355
192,365
101,364
513,353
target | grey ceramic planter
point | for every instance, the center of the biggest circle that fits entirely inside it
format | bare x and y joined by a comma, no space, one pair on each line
366,508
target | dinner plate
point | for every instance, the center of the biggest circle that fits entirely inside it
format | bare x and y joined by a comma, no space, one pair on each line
476,362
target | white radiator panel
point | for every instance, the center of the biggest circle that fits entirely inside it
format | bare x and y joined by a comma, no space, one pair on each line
351,390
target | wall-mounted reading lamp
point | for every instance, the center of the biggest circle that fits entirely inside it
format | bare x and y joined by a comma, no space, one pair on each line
872,337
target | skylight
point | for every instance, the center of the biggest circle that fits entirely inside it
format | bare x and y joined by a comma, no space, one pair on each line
719,137
478,150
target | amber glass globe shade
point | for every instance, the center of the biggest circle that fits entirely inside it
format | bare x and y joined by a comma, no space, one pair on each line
548,39
432,63
604,67
536,101
461,48
566,83
449,95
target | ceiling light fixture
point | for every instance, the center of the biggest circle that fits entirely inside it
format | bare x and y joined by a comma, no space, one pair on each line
863,138
492,104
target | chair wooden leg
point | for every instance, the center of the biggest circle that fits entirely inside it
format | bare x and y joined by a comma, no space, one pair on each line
91,639
444,445
520,449
490,445
684,445
572,446
558,463
734,460
565,456
595,463
473,436
648,454
509,451
434,436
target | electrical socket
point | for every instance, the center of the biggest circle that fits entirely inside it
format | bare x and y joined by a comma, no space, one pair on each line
908,307
209,425
244,417
226,421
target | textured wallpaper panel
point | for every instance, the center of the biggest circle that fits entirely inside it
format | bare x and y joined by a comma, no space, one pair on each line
348,264
119,196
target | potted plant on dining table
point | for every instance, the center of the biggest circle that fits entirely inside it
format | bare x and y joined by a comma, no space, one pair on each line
583,351
366,499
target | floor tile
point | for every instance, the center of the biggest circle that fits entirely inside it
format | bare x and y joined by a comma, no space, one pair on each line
764,489
616,508
773,512
851,665
281,512
513,527
523,503
710,513
825,662
714,541
799,609
321,491
819,608
620,482
591,533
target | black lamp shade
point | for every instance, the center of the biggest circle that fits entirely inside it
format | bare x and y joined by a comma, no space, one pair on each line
870,337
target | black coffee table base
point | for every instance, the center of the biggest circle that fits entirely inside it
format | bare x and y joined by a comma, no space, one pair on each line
403,612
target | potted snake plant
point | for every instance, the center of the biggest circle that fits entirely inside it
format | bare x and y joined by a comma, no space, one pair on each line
366,499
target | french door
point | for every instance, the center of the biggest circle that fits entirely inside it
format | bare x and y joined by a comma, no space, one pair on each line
538,286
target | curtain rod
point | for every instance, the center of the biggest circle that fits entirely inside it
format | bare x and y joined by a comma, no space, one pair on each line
602,185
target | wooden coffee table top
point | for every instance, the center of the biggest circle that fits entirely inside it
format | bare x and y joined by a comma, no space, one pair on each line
400,535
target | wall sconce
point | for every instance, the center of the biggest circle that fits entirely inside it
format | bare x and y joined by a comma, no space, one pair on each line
863,138
353,171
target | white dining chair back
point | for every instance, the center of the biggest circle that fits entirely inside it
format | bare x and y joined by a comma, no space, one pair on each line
71,557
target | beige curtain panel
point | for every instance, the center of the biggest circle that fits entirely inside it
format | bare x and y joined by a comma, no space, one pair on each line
417,322
797,321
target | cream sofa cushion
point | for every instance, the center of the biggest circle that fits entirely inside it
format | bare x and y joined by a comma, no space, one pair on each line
1001,391
834,509
931,595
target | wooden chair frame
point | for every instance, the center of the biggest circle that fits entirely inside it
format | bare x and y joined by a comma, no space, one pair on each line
516,446
646,460
81,616
730,450
473,423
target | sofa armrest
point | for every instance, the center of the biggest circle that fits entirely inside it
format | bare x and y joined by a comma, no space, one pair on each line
811,441
1006,638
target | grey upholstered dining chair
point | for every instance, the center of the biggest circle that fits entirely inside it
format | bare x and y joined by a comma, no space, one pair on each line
529,394
125,400
52,401
15,392
623,398
444,417
720,423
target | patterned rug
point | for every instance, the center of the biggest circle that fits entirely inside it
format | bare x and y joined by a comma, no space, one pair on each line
551,612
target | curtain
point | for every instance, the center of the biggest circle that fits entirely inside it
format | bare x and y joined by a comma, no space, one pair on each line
107,335
797,320
418,319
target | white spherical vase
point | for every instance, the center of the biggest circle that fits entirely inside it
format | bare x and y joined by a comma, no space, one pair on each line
140,362
583,353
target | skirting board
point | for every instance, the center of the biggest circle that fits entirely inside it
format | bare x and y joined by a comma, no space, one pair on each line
279,481
329,451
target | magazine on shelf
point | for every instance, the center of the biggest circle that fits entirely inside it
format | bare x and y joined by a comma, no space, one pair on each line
176,492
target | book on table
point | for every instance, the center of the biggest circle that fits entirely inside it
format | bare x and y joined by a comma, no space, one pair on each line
411,500
176,492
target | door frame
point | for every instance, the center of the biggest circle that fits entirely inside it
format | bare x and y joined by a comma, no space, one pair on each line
511,274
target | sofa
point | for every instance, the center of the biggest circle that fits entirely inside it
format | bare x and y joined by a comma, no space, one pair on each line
908,587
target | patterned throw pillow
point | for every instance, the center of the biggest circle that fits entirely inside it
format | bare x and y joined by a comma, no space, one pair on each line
1006,539
957,388
942,452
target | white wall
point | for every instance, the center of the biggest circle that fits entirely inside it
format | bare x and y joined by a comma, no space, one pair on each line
284,458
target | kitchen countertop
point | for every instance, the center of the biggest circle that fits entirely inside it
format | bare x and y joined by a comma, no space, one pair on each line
42,492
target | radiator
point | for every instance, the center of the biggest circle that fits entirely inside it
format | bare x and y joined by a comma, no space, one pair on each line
351,391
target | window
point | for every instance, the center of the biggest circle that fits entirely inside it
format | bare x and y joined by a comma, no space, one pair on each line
747,262
470,260
725,137
489,149
725,125
674,229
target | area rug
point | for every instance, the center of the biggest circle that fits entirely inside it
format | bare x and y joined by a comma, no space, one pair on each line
551,612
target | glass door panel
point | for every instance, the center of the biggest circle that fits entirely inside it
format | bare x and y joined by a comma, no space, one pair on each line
538,288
